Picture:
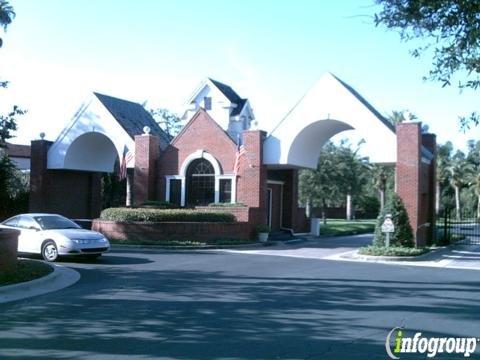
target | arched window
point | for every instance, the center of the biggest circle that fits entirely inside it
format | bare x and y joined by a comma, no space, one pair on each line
200,182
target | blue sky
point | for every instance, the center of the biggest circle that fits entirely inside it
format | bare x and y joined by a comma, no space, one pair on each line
272,52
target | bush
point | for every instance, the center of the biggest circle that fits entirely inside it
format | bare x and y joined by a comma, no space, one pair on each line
391,251
164,215
403,235
226,205
159,204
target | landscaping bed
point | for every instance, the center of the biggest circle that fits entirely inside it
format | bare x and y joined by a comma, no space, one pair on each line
26,270
392,251
335,227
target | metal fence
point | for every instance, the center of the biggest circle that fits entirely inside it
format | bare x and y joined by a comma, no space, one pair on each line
460,228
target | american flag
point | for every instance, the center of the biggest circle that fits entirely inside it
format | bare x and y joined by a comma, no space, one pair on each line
240,152
127,156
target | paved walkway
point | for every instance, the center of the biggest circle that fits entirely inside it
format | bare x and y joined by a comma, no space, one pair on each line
346,249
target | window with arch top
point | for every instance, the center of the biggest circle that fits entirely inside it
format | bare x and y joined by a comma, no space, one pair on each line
200,182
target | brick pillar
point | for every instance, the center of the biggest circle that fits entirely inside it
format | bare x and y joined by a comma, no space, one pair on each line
252,179
39,176
146,156
429,141
408,166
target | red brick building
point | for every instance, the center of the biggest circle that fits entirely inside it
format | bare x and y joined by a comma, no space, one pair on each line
219,156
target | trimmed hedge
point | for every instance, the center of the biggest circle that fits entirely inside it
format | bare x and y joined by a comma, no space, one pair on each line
164,215
159,204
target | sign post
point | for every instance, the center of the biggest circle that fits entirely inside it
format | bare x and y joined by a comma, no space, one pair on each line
388,228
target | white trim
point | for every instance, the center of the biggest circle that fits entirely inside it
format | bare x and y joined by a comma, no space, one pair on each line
233,179
167,187
200,154
276,182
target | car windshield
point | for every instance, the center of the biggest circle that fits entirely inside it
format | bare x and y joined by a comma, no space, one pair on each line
55,222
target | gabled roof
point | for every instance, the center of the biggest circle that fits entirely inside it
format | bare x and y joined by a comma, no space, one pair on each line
204,113
366,103
231,95
227,91
133,117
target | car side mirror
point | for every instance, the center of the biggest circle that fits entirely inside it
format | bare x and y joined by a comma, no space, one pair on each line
33,228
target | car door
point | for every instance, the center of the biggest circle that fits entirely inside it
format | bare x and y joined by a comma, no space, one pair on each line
28,239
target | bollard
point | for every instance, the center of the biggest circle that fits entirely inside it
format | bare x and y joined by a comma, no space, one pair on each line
8,250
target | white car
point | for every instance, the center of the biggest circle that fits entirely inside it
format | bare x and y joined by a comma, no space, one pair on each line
53,235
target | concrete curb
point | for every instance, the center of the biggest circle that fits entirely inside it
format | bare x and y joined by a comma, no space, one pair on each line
60,278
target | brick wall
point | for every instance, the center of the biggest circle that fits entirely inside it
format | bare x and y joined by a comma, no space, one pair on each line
74,194
197,231
8,250
146,158
415,179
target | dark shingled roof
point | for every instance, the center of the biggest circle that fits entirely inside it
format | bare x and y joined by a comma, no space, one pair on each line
133,118
231,95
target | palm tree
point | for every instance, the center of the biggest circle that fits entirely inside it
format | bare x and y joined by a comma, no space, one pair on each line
399,116
459,173
380,176
6,15
474,181
442,170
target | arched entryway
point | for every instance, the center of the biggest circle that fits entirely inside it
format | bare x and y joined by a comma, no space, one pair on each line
200,182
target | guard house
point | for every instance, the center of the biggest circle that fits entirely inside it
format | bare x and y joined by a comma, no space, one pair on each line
220,157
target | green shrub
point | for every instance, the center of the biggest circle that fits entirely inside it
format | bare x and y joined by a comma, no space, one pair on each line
159,204
403,235
164,215
392,251
226,205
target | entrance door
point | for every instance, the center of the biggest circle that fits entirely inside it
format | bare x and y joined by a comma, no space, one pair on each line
274,205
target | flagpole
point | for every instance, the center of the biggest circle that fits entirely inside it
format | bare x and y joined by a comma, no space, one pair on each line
128,198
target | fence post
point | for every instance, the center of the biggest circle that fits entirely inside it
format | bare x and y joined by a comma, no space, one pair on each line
445,224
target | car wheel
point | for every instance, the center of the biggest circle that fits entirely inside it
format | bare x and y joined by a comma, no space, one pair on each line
49,251
93,256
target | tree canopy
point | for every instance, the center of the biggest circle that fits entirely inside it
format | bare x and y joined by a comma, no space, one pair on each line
450,30
6,16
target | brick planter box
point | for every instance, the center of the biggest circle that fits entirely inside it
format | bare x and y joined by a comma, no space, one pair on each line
164,231
8,250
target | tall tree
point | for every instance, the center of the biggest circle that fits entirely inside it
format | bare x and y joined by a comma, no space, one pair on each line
444,159
459,170
167,120
450,30
6,16
380,175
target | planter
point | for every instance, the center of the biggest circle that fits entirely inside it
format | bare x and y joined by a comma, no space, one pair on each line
8,250
263,237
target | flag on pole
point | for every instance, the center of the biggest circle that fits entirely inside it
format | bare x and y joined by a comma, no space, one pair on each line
127,156
240,152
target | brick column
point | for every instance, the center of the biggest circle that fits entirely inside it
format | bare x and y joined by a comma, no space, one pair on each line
146,157
409,143
252,179
39,176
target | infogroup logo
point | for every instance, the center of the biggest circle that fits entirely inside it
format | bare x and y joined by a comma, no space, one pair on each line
397,343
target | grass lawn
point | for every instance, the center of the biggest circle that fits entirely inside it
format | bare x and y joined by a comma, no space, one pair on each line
26,270
337,227
185,242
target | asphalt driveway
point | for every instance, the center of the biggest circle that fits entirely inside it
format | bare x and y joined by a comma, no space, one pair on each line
140,304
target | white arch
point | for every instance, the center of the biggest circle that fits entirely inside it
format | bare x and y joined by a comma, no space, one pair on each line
329,108
200,154
91,151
